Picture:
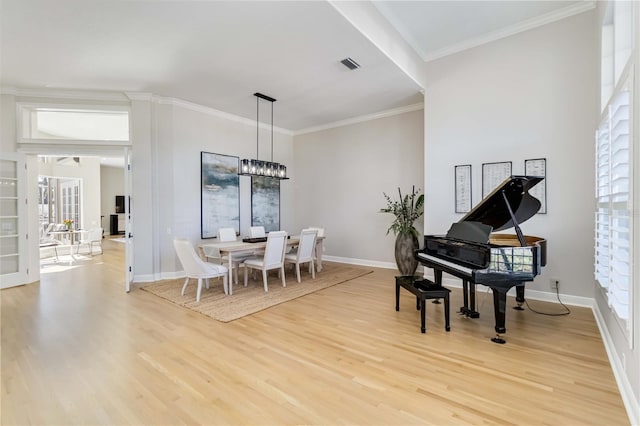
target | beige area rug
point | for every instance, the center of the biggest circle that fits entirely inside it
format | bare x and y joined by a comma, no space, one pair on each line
251,299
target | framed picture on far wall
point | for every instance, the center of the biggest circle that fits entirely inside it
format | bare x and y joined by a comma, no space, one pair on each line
220,193
463,188
265,203
493,174
538,167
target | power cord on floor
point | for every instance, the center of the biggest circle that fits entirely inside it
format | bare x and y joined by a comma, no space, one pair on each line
551,314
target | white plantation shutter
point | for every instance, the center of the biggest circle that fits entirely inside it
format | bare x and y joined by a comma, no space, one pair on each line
613,224
602,200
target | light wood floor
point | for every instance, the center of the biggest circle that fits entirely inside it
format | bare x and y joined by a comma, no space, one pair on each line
76,349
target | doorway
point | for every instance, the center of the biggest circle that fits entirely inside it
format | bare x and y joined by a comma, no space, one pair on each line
71,212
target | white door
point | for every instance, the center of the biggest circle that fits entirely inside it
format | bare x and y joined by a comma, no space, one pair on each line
13,220
128,223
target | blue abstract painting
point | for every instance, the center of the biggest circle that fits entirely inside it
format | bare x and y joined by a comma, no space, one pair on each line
220,189
265,203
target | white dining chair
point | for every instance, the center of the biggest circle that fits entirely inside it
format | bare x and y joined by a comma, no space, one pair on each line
305,252
273,258
257,232
226,235
194,267
89,238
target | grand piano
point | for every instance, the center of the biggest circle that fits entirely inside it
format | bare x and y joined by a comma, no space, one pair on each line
471,251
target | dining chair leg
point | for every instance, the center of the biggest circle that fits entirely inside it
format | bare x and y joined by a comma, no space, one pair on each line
284,284
199,289
245,276
206,283
264,280
312,266
186,281
298,271
225,285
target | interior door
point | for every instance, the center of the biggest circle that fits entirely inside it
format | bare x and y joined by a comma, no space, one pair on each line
128,224
13,220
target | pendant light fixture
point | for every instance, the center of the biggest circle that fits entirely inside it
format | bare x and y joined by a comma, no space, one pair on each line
256,167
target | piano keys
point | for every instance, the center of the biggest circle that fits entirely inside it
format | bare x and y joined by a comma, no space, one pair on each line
473,253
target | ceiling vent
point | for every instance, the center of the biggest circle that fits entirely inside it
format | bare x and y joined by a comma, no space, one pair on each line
350,63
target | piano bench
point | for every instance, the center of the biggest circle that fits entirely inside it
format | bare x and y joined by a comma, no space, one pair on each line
423,289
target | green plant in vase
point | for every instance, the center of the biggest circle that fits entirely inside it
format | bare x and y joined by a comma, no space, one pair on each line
406,209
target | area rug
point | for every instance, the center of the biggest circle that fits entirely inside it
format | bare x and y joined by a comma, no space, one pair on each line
251,299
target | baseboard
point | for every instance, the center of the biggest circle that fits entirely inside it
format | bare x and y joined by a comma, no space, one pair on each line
624,386
544,296
360,262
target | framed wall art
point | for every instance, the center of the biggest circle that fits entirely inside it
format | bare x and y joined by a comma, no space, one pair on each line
538,167
220,193
265,203
463,188
493,174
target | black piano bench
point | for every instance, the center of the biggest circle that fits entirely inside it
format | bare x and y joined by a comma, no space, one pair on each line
423,289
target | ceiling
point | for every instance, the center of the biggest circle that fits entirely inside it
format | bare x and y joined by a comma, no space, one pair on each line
218,53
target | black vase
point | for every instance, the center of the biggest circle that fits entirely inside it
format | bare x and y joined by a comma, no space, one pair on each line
406,245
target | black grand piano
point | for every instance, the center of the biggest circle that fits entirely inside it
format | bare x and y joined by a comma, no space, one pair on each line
500,261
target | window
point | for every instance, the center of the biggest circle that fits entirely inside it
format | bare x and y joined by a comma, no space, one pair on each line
613,221
38,123
59,200
614,153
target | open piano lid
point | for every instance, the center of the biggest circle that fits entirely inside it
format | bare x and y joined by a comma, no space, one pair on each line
492,210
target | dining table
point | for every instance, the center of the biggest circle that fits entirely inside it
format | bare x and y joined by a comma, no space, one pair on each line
70,235
236,248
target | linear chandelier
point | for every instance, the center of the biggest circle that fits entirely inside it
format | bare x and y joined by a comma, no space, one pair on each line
256,167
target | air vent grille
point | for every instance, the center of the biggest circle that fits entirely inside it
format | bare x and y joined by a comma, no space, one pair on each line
350,63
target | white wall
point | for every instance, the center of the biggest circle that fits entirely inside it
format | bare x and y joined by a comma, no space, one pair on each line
531,95
182,133
341,174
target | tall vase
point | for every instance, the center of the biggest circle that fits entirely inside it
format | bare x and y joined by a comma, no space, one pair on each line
406,245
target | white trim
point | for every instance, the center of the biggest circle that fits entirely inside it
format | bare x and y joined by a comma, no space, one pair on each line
65,94
529,24
449,281
361,119
216,113
624,386
360,262
163,100
139,96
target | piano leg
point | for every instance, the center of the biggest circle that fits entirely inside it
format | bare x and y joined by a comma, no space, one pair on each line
499,305
469,298
437,276
519,298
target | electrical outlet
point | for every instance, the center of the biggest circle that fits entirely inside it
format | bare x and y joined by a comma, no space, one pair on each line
554,283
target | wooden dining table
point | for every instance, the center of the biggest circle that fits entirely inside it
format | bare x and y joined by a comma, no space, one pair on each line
235,248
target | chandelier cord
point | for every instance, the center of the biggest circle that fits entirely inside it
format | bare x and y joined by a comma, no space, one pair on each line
257,125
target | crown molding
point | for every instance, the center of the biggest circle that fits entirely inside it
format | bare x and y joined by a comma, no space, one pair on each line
66,94
163,100
139,96
361,119
529,24
217,113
